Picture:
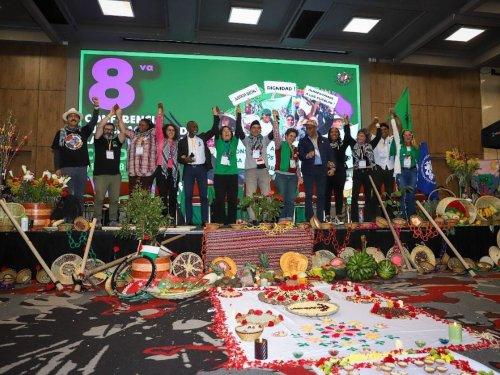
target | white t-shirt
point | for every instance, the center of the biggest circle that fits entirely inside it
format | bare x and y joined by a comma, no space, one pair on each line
196,147
381,153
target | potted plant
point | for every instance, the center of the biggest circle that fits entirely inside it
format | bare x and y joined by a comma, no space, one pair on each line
266,208
143,217
37,195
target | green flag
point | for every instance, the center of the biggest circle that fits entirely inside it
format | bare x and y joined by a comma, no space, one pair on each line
403,109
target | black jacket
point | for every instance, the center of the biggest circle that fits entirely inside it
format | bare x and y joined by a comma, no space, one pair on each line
183,148
325,151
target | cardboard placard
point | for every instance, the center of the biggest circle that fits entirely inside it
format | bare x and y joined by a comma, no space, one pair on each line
245,94
322,96
279,87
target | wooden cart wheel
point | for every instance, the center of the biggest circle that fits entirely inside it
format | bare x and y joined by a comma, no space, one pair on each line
187,264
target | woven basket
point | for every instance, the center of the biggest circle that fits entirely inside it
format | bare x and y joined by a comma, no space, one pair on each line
471,209
487,201
17,210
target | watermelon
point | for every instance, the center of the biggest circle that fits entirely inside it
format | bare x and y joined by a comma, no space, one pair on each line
338,265
361,266
386,269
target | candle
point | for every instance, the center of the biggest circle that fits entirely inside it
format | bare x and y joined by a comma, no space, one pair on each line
455,333
260,348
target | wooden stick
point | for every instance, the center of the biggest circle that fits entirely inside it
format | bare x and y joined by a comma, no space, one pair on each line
408,261
164,242
445,238
31,246
104,267
78,275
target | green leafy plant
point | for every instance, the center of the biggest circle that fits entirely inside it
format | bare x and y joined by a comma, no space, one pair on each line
144,216
266,208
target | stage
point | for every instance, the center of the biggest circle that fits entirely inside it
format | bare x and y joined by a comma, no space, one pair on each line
472,242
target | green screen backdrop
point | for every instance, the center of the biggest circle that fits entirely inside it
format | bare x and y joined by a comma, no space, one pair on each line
190,85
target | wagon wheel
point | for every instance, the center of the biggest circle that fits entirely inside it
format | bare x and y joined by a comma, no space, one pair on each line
187,264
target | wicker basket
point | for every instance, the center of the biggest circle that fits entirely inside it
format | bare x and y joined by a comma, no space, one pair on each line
17,210
471,209
487,201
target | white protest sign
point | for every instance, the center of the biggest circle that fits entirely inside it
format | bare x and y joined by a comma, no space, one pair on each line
304,105
322,96
245,94
278,87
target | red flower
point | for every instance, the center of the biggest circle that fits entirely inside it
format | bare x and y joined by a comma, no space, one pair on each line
310,297
280,298
116,249
388,316
257,312
270,324
244,322
295,297
280,317
238,315
294,277
389,359
319,294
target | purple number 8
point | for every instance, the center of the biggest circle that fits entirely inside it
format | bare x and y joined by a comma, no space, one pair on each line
104,81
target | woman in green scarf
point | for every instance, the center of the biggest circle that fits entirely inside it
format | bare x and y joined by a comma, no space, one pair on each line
287,172
226,172
407,180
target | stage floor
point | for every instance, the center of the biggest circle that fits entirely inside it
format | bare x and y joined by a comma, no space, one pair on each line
51,333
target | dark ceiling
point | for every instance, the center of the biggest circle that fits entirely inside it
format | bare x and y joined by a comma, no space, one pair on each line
409,31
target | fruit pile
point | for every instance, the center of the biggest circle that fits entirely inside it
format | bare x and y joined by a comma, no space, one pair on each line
487,212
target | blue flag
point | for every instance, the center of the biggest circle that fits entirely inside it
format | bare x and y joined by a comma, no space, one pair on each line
426,181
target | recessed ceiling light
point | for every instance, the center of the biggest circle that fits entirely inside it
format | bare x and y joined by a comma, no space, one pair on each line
464,34
118,8
361,25
247,16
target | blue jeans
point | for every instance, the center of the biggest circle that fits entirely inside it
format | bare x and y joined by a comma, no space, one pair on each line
196,173
407,182
76,185
287,187
318,178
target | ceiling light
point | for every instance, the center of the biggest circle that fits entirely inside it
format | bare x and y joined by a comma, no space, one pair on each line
361,25
464,34
247,16
118,8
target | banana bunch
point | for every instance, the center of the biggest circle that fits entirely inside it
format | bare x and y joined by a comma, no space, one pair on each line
487,212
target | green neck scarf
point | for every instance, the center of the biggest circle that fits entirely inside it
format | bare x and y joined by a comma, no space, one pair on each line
286,155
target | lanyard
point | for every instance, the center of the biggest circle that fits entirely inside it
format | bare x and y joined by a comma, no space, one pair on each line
109,144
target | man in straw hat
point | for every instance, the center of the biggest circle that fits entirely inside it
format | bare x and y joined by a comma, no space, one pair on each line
71,156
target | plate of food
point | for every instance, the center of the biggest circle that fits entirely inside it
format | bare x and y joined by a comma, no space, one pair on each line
313,308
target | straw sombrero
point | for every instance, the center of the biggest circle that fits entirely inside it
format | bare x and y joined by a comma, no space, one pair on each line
69,112
65,266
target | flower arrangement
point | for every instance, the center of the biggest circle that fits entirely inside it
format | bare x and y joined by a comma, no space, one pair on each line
462,167
26,188
266,208
11,142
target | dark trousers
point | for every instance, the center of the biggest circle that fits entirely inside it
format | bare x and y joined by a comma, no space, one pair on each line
384,177
226,190
316,178
336,185
196,173
407,181
76,185
361,178
168,191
